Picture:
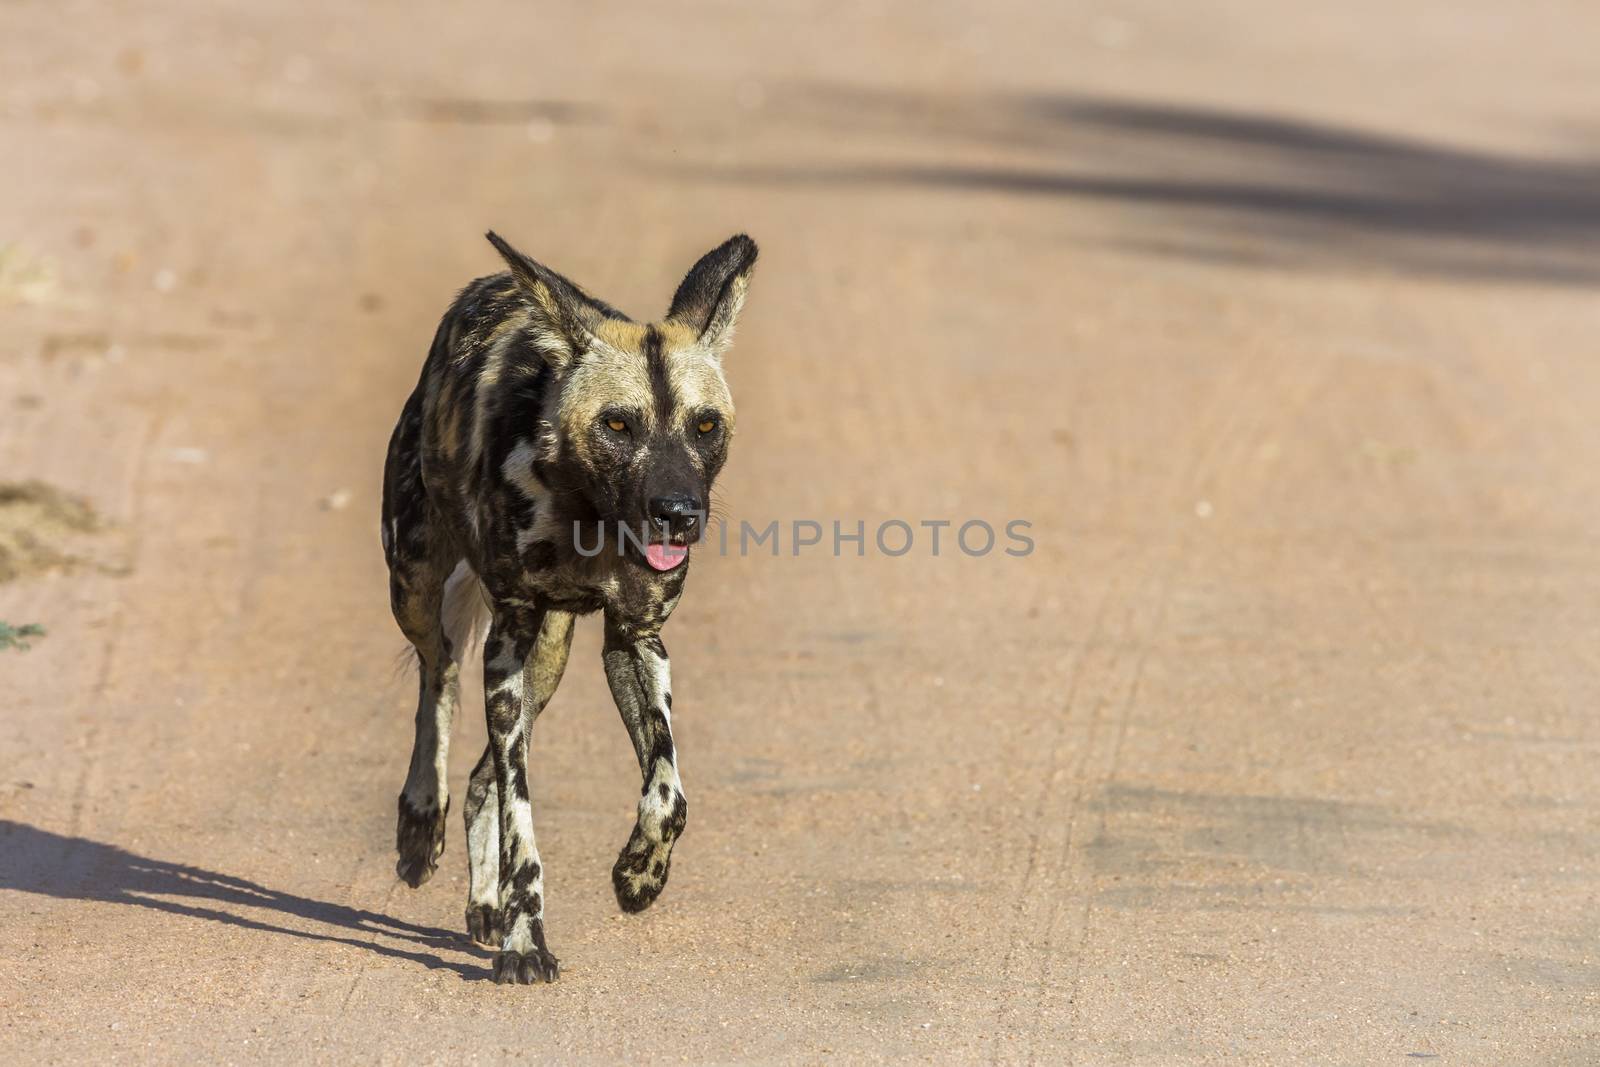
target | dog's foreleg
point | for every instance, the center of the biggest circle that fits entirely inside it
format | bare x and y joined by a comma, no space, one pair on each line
641,684
521,667
541,674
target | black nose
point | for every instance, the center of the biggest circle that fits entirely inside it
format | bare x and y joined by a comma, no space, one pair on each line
676,514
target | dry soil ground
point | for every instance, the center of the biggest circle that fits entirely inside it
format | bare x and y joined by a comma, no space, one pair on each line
1278,323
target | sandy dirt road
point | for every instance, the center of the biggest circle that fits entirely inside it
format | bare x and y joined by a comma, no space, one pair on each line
1280,328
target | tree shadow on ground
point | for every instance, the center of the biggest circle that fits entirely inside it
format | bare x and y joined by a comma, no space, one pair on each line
1234,186
71,868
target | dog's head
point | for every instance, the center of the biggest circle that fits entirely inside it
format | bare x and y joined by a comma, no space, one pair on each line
640,417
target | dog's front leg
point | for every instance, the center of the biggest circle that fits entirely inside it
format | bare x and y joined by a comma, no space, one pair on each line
540,676
641,684
523,957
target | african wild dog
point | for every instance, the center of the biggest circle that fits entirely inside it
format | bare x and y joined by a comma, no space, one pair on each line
542,412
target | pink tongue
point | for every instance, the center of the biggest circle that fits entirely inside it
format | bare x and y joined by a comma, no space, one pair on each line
665,557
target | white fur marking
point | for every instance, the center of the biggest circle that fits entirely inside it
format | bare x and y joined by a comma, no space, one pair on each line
464,611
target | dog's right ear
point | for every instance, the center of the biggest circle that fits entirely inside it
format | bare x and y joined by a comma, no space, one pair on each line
565,316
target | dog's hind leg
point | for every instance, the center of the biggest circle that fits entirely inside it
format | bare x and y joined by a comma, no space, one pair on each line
483,854
416,592
641,683
420,562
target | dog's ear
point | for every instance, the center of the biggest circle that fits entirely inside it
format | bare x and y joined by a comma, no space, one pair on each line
565,316
712,293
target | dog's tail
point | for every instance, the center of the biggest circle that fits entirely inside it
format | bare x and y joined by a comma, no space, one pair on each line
464,612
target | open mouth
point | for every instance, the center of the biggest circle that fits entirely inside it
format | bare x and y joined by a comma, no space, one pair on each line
665,555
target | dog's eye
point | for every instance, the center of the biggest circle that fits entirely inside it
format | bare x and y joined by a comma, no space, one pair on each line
617,425
707,425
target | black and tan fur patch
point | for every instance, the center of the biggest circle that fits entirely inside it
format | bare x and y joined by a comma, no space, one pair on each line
545,419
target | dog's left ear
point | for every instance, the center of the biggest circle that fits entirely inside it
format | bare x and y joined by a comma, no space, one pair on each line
712,293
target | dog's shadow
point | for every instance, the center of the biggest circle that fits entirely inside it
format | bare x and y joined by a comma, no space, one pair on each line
71,868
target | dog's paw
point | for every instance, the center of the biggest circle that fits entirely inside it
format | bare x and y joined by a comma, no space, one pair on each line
526,968
640,874
419,839
483,925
